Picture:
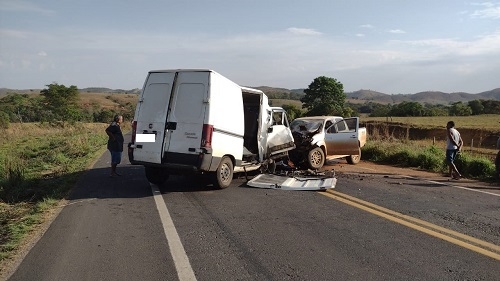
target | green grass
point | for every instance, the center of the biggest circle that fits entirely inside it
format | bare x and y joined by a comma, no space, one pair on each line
39,164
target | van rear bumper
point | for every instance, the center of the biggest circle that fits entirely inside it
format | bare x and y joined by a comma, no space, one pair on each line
203,164
170,166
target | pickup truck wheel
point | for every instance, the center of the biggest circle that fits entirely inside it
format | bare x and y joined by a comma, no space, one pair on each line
316,158
354,159
156,175
224,173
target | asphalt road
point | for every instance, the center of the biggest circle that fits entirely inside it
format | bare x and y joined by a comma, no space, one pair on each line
372,226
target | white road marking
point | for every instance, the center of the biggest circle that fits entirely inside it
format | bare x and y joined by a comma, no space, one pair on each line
435,182
456,186
184,270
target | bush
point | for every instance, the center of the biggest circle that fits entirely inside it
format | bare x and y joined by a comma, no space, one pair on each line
430,158
402,157
4,120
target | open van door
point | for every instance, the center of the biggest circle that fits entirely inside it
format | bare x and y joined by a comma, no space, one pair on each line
279,136
152,109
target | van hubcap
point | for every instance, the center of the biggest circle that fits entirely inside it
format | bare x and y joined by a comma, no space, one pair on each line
225,171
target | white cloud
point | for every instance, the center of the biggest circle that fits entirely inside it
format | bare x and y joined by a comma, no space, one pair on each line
13,34
360,35
42,54
303,31
369,26
397,31
23,6
490,11
483,45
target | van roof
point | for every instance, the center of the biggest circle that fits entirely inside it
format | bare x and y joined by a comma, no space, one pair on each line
244,89
183,70
251,90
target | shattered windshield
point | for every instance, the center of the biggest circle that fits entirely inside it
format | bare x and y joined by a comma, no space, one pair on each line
306,125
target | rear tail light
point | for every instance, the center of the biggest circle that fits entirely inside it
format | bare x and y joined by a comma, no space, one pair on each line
206,136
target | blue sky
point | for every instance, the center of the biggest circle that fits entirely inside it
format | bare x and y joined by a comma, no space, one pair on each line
391,46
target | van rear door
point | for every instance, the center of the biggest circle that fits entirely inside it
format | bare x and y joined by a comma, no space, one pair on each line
186,117
152,111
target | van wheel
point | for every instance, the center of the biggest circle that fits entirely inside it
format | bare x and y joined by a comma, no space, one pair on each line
354,159
156,175
224,173
316,158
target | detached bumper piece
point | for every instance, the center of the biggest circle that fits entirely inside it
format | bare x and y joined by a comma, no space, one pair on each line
298,180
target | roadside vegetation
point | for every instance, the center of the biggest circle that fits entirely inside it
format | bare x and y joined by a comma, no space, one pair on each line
48,140
427,156
39,163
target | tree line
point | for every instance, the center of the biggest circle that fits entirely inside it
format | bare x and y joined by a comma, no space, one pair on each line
55,103
325,96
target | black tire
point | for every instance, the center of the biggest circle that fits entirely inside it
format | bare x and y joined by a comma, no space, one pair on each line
224,174
156,175
354,159
316,158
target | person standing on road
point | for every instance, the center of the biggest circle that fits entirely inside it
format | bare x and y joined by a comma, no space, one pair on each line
453,146
115,143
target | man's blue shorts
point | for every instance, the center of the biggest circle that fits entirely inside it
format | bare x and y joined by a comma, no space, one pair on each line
116,157
451,154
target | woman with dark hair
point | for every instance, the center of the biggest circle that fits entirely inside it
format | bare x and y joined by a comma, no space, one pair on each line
115,143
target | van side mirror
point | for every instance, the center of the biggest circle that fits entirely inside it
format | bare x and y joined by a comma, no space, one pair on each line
269,130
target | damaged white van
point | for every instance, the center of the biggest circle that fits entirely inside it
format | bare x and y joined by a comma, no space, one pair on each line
198,121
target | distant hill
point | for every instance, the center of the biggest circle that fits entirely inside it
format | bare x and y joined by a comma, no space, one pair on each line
430,97
5,91
360,96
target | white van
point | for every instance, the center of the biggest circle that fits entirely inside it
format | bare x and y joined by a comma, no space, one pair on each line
198,121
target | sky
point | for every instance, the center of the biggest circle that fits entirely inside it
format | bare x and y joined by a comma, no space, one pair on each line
389,46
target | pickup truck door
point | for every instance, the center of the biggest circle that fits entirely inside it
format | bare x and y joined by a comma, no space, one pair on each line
341,138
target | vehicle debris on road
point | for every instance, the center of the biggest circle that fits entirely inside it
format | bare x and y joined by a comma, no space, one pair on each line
287,178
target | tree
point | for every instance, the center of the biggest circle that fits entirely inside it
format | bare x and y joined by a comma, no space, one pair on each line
460,109
407,108
324,96
292,111
476,106
61,101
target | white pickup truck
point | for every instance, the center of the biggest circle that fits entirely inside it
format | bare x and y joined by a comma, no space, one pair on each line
318,138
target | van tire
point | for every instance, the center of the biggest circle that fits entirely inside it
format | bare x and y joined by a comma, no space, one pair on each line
354,159
224,174
156,175
316,158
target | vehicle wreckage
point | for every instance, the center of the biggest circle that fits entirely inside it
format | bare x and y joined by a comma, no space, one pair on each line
287,177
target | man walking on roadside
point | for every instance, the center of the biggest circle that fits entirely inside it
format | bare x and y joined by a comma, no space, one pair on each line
453,146
115,143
